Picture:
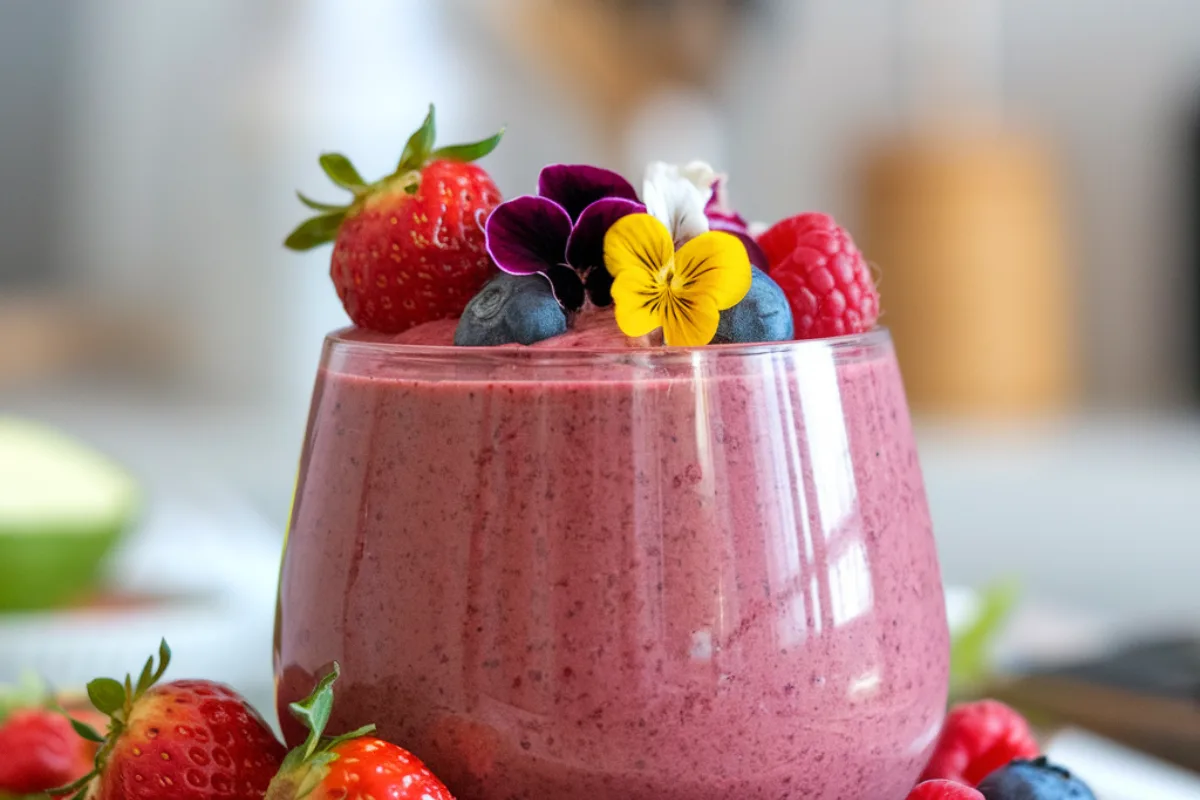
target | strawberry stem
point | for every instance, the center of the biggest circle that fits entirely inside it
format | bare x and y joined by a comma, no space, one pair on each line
418,151
314,710
115,700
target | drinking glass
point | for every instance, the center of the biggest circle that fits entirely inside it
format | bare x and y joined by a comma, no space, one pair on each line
627,573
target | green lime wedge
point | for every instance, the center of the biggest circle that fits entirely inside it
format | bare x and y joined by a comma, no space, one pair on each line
62,508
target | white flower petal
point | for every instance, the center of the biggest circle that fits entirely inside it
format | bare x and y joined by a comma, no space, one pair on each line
702,175
672,197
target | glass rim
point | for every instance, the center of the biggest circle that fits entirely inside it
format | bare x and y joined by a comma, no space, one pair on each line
498,356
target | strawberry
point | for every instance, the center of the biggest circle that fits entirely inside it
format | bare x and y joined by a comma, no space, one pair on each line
39,747
353,766
40,751
408,248
977,739
184,740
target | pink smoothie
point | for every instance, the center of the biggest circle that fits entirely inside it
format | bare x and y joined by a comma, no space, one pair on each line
608,578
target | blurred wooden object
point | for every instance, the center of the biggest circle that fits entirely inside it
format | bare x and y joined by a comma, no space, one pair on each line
619,53
46,339
1145,695
32,346
968,236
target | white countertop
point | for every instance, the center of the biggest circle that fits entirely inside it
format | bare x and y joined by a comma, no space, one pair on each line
1101,514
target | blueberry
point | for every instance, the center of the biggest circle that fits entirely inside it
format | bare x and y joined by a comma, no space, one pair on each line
763,315
1034,780
511,308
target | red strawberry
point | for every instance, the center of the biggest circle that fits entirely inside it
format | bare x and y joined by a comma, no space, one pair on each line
977,739
943,790
409,248
41,751
353,766
825,277
184,740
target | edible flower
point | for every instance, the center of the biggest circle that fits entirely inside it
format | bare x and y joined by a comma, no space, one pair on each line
676,196
691,200
722,217
683,291
559,233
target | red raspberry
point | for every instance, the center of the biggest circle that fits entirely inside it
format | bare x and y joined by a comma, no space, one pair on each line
825,277
943,790
977,739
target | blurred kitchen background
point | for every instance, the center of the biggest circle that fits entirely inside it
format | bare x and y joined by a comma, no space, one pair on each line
1025,174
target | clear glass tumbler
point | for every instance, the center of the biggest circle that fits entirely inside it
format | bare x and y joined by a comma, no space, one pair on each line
632,573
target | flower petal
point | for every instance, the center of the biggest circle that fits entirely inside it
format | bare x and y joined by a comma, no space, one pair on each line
689,321
567,287
702,175
585,248
724,220
638,299
637,242
528,234
676,201
577,186
718,203
598,286
758,256
713,265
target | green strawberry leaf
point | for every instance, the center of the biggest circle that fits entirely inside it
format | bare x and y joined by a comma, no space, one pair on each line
85,730
107,695
333,742
469,152
164,659
146,679
420,145
342,172
313,711
318,206
315,232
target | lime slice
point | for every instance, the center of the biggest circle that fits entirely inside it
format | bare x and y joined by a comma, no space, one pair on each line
62,508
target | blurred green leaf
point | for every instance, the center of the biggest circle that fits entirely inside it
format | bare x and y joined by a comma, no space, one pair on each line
29,691
971,648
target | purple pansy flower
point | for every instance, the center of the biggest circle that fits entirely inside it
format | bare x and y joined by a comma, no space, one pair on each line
560,231
722,217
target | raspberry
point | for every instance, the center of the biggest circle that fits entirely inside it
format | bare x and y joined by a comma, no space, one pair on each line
825,277
943,790
977,739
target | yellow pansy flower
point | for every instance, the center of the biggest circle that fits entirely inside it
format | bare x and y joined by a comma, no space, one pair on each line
683,292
